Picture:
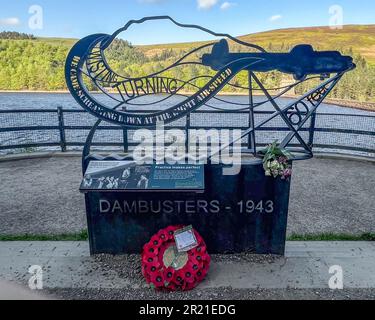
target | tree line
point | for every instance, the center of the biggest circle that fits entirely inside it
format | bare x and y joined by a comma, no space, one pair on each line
16,35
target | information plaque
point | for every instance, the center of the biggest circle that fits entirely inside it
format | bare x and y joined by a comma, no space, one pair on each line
128,176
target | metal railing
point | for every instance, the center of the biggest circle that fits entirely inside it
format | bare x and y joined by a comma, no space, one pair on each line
65,130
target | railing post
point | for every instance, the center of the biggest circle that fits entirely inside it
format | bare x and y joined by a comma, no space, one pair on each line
60,115
251,145
187,141
312,130
125,139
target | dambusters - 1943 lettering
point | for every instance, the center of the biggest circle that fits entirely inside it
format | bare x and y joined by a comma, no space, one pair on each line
183,206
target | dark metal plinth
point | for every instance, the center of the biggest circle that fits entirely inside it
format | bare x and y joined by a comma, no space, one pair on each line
243,213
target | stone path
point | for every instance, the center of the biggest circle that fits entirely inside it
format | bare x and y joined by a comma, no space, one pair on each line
68,269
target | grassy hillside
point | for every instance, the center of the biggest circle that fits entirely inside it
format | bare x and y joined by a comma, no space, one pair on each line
360,38
38,64
66,42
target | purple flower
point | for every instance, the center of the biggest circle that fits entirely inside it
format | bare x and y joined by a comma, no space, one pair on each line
287,173
283,160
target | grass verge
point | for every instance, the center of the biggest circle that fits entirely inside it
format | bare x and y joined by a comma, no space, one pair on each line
332,237
83,236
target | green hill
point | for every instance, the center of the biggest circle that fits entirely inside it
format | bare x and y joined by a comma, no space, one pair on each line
68,42
359,38
38,64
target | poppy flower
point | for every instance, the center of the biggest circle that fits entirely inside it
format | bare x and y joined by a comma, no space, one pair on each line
147,259
155,241
199,257
189,273
169,274
191,253
170,232
200,275
150,249
201,249
198,251
179,277
195,263
163,235
157,279
189,276
153,267
194,267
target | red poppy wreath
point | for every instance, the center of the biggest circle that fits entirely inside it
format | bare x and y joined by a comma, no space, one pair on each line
166,268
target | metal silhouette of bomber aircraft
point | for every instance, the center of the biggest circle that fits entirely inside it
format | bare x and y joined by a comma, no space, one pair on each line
302,61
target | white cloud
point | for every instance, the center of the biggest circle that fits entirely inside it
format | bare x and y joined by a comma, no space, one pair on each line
206,4
226,5
276,17
10,22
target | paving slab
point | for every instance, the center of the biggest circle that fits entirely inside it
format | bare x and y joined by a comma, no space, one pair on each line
68,265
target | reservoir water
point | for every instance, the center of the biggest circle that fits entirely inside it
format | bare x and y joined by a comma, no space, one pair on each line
329,117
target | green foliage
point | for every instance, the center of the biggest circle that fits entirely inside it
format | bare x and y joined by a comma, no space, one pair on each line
332,237
125,59
275,160
31,65
81,236
16,35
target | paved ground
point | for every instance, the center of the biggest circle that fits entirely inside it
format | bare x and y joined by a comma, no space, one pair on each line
69,272
40,196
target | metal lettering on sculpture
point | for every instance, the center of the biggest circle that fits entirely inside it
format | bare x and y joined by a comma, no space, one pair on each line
246,212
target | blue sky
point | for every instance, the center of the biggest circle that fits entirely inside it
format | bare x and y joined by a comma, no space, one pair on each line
78,18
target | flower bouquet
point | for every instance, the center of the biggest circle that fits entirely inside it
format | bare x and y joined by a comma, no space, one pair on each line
165,268
276,161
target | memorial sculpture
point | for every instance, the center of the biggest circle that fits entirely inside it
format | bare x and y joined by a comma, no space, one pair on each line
246,212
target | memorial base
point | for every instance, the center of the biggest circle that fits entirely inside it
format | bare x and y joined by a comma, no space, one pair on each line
234,214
